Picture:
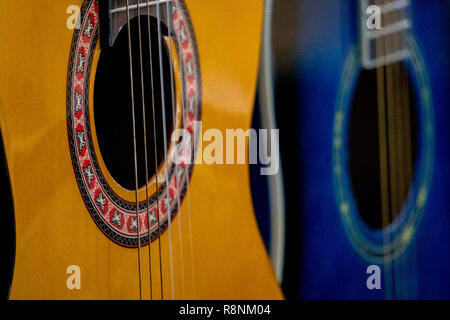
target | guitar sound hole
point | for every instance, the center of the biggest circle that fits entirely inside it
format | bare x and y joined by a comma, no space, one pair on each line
113,108
382,163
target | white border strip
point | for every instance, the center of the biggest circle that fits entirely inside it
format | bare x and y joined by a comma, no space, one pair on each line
268,121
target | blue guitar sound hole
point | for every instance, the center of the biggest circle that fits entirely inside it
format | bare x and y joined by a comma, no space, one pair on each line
381,212
382,143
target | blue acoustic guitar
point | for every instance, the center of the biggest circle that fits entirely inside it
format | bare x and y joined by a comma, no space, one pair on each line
372,121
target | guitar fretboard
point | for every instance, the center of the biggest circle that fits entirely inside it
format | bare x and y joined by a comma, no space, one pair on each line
114,15
389,43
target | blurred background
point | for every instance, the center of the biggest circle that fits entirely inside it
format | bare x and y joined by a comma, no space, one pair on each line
363,118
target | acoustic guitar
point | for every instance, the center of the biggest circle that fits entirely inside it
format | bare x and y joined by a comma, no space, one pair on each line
106,204
368,190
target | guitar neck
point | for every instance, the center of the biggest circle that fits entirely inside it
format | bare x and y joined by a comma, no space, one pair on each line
114,15
388,43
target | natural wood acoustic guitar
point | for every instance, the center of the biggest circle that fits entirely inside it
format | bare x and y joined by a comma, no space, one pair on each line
91,92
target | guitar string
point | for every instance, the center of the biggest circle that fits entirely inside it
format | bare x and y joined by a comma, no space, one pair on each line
166,172
191,251
174,118
396,153
165,144
145,146
135,147
397,93
384,184
384,159
391,156
155,149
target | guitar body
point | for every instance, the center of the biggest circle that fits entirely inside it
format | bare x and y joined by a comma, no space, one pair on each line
54,229
336,245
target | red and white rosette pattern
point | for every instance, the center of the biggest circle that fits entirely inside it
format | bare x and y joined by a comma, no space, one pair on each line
113,215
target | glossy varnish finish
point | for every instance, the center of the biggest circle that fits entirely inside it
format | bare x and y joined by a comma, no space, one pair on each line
54,229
